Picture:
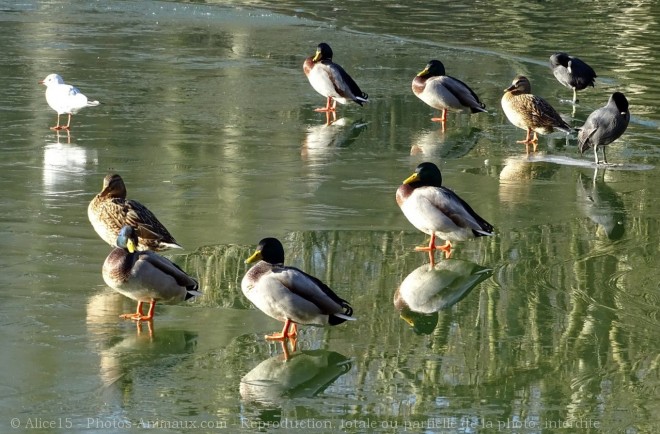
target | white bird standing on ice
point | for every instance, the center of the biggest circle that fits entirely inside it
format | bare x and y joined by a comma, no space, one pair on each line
64,99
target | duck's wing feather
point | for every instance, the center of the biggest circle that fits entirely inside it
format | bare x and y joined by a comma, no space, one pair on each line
454,208
543,114
463,93
311,289
149,227
343,82
157,268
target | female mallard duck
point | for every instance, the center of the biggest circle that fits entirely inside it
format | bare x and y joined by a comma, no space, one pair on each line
145,276
604,125
289,294
64,99
572,72
445,93
109,211
437,210
331,81
530,112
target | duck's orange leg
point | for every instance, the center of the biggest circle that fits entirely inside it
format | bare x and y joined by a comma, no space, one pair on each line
445,248
432,247
285,333
285,347
530,140
330,117
138,315
330,106
442,118
138,312
527,140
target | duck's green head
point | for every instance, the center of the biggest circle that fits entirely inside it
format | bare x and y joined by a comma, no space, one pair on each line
269,250
426,174
323,52
434,68
127,239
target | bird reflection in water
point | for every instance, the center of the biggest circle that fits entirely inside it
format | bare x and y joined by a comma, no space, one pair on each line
128,361
602,205
303,374
431,288
441,144
321,140
64,164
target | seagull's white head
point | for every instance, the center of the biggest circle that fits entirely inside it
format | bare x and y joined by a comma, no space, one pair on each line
52,79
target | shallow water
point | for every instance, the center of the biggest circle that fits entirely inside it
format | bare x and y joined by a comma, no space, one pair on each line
209,119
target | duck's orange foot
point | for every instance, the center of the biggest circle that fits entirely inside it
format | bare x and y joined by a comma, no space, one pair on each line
290,330
58,128
443,119
423,249
136,317
325,109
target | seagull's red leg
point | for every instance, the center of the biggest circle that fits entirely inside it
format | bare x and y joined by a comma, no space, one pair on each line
67,123
57,127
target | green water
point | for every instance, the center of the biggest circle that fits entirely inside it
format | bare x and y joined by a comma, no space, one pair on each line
209,119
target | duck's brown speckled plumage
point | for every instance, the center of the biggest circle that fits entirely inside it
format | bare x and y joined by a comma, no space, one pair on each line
530,112
109,211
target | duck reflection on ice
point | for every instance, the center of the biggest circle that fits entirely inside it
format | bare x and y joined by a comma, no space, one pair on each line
304,374
322,140
602,205
440,144
429,289
131,358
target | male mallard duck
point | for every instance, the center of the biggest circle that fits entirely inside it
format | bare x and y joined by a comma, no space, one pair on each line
331,81
604,125
64,99
289,294
145,276
572,72
530,112
109,211
437,210
444,93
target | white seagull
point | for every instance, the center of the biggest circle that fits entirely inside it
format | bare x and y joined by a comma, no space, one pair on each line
64,99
